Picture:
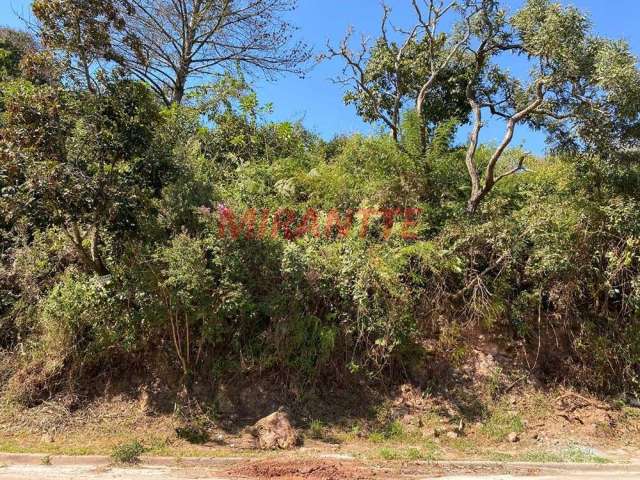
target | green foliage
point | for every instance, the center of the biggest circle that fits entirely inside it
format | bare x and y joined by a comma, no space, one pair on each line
411,454
15,47
110,237
571,454
316,430
501,423
128,453
446,98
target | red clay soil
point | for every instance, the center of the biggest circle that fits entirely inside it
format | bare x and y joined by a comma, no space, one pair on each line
333,470
302,470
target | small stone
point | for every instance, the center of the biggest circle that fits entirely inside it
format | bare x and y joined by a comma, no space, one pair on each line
513,437
452,435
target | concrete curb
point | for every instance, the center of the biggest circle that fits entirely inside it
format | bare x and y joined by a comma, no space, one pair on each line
574,467
222,462
103,460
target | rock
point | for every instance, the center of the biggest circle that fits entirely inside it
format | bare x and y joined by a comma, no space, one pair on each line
452,435
513,437
275,431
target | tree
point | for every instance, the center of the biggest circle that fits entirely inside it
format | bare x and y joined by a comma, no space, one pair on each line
14,46
576,78
583,90
81,31
418,64
79,161
169,43
185,287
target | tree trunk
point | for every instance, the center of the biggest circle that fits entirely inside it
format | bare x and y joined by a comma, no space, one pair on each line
423,136
90,259
179,91
423,126
100,267
474,203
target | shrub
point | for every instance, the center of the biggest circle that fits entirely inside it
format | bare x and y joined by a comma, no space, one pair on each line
128,453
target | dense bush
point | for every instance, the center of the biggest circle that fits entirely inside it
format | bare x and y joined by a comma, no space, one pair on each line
112,207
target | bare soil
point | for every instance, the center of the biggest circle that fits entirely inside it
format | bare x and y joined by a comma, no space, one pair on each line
302,470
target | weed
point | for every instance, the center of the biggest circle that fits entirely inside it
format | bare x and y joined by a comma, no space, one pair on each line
316,430
414,454
388,454
394,431
128,453
408,454
579,454
356,430
572,454
631,413
501,423
46,460
158,445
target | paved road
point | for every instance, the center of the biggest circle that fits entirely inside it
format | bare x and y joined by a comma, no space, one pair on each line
42,472
37,472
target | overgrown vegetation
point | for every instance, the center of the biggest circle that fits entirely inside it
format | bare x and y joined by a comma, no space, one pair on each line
113,202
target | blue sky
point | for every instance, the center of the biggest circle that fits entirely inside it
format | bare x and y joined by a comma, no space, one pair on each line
318,101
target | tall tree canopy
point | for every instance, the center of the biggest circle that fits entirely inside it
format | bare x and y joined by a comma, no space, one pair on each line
14,46
582,89
574,85
416,65
168,43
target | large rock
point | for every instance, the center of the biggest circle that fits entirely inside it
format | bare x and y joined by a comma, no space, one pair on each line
275,431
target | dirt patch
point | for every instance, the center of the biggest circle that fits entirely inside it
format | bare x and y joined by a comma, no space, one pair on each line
334,470
303,470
